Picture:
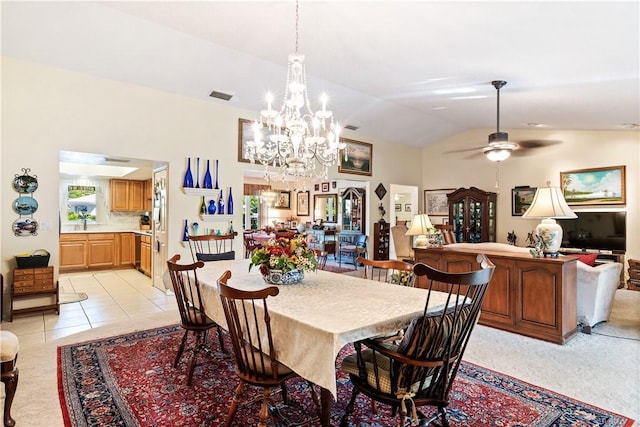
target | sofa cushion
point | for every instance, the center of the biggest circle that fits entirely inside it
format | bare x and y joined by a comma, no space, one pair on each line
589,259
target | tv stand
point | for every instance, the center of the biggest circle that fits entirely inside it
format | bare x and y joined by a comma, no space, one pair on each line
603,257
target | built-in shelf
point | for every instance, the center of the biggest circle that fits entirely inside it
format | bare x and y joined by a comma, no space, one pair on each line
216,217
201,192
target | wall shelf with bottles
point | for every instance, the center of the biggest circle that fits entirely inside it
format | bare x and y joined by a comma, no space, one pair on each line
201,192
216,217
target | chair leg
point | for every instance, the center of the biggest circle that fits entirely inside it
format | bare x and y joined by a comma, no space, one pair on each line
264,408
180,349
344,421
194,357
10,380
285,394
234,404
221,340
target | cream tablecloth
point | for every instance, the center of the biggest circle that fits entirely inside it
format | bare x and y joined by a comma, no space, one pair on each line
313,320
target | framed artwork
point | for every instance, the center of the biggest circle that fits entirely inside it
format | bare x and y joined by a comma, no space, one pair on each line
316,187
303,204
325,187
407,207
398,207
245,133
356,157
435,201
283,201
521,198
597,186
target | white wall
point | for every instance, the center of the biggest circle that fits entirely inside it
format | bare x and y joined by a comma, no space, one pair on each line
46,110
577,150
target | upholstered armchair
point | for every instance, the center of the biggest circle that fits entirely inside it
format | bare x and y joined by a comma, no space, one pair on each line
596,289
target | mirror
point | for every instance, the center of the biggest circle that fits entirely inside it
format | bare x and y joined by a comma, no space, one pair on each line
325,207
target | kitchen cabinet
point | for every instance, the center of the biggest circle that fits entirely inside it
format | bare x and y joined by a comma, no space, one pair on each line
33,286
145,255
472,213
126,250
127,195
148,195
73,251
86,251
535,297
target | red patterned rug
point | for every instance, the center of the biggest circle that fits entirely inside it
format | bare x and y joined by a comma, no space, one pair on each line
129,380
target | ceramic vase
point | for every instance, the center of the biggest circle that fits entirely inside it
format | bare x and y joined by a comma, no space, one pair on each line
206,183
188,176
212,207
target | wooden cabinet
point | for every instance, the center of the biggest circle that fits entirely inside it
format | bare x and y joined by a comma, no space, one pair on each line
127,195
472,213
535,297
126,250
73,251
86,251
148,195
353,210
381,241
145,255
36,289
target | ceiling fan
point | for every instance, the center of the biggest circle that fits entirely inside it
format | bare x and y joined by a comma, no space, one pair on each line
500,147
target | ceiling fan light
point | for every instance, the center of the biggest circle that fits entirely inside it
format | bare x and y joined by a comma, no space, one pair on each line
498,137
497,154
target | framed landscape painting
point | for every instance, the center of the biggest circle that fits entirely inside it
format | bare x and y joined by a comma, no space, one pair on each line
245,134
597,186
356,157
521,198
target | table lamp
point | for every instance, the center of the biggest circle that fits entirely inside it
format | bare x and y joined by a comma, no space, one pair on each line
420,227
548,203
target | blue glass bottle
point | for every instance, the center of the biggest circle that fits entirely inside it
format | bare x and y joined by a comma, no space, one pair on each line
188,177
220,204
197,172
216,175
230,203
212,207
185,232
206,183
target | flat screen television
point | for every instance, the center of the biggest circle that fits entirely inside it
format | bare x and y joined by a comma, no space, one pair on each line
595,230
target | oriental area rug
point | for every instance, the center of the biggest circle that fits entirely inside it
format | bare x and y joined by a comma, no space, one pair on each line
129,380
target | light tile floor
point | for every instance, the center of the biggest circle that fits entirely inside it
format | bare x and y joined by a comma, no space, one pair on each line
113,296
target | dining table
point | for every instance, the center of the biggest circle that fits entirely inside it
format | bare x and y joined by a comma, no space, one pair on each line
313,320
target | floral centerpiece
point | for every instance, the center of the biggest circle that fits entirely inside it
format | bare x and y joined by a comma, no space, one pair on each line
284,261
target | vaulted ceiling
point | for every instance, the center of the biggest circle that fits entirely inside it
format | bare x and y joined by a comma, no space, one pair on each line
412,72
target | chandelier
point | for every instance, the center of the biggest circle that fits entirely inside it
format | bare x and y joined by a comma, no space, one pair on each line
294,140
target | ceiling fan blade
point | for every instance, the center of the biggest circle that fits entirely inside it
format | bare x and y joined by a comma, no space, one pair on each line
464,150
530,147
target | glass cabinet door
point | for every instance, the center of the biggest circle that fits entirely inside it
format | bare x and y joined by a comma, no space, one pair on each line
475,221
458,221
353,210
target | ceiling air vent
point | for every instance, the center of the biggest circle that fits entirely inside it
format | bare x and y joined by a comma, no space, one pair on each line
221,95
352,127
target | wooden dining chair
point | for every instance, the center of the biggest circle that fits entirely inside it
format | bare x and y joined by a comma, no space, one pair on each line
250,244
193,319
420,370
249,326
389,271
212,247
321,257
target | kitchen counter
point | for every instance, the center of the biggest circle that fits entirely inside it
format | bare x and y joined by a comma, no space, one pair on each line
143,232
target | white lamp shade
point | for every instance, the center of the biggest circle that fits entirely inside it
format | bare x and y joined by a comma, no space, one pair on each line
549,202
421,225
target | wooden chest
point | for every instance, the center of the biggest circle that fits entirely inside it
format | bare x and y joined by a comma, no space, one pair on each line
27,280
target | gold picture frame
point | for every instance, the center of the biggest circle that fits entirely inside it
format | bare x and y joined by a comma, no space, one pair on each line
595,186
358,159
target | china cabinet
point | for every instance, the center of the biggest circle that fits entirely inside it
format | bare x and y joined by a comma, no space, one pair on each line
353,210
472,214
381,240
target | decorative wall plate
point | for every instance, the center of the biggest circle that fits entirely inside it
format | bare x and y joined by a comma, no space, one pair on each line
381,191
25,183
25,205
25,227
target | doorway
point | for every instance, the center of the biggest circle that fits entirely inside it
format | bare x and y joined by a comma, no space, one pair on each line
403,206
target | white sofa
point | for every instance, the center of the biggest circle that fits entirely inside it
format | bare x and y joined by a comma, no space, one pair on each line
596,286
